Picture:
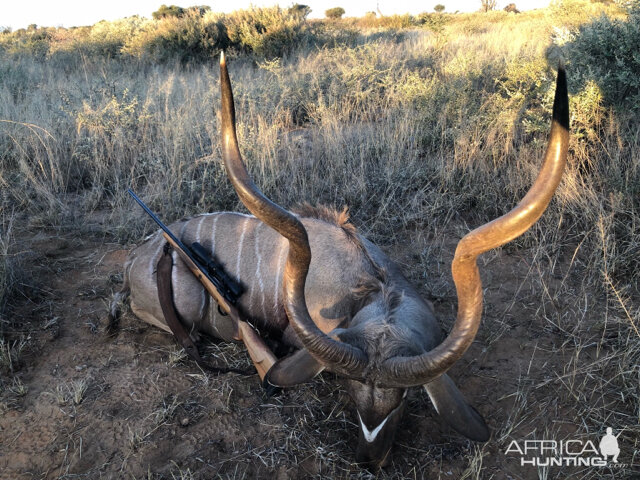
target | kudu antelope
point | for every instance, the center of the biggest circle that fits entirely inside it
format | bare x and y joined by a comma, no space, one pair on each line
327,291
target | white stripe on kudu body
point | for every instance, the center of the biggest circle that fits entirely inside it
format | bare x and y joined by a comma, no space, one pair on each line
199,228
213,233
278,276
174,270
153,261
175,256
244,230
256,244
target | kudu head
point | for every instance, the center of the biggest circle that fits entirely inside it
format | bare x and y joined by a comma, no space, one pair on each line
381,357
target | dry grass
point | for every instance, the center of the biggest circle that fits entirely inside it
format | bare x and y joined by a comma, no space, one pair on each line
417,132
8,262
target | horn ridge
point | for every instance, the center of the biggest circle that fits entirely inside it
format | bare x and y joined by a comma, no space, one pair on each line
420,369
337,356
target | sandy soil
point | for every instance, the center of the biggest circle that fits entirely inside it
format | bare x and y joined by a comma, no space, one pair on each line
133,407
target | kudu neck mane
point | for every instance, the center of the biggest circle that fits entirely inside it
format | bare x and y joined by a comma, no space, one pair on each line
331,216
377,281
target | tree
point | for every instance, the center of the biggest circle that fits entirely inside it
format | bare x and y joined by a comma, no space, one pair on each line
299,10
439,8
199,9
335,12
168,11
488,5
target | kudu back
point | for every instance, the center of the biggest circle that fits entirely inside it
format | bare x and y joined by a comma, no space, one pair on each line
318,286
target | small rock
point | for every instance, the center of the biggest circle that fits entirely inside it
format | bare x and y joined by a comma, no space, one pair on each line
184,422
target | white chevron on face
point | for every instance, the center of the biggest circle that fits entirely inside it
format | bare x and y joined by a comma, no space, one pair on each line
370,435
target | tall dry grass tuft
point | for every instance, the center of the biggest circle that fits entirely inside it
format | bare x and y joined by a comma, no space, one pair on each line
12,343
7,275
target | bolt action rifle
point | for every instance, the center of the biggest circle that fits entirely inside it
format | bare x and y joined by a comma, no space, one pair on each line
224,290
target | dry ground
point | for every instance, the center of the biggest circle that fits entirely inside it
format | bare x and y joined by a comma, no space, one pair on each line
81,405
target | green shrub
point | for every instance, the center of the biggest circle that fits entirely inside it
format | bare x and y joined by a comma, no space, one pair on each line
168,11
195,35
105,38
265,32
187,39
299,10
434,22
574,13
606,51
199,9
335,12
33,42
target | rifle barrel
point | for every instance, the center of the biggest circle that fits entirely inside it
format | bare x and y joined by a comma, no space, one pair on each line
156,219
187,251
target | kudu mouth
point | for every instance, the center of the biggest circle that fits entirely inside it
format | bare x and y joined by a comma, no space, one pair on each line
339,357
375,443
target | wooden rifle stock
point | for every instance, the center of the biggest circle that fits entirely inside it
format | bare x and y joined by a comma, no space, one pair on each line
261,356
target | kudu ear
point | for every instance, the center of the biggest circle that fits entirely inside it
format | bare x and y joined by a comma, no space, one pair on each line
294,369
454,409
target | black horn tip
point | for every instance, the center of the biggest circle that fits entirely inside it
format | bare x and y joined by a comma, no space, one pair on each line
561,101
270,390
